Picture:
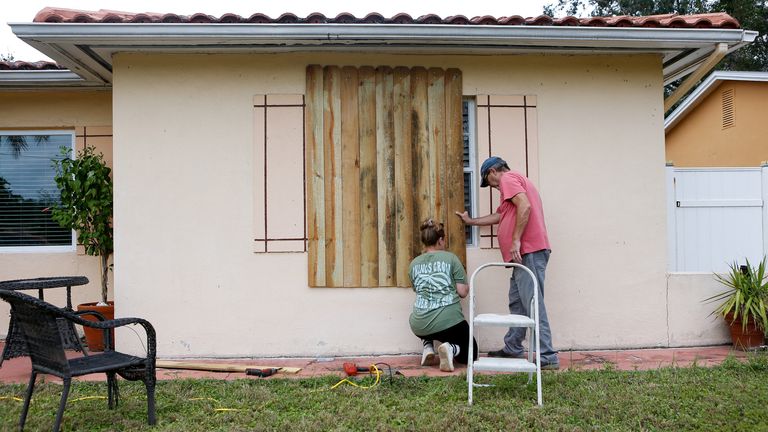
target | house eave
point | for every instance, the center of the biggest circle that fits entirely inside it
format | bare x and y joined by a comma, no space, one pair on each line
87,49
43,79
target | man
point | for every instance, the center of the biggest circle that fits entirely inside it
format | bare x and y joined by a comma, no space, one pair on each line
522,239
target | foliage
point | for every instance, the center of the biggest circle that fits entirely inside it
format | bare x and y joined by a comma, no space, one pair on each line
19,143
747,295
13,229
86,204
668,399
751,14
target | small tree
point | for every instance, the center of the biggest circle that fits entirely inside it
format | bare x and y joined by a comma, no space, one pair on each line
86,204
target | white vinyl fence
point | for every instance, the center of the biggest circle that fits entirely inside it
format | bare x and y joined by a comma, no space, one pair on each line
716,216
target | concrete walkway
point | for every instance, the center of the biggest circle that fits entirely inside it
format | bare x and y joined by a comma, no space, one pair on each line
17,370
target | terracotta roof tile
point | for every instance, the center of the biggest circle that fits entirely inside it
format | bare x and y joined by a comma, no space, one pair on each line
22,65
711,20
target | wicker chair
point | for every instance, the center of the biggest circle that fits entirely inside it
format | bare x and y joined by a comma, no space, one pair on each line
37,321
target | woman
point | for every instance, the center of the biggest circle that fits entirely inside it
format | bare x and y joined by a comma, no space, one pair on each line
439,280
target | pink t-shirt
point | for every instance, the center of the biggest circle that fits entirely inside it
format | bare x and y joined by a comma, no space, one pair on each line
534,236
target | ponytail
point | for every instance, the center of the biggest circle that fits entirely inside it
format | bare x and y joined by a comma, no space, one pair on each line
431,232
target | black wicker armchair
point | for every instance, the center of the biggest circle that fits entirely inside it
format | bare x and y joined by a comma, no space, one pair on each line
37,321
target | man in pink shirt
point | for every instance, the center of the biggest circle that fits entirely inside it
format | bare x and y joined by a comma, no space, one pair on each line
522,239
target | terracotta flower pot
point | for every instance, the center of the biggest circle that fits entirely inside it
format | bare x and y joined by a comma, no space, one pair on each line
95,337
743,339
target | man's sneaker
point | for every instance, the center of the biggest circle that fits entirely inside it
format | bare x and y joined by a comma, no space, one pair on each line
503,354
428,356
545,365
445,351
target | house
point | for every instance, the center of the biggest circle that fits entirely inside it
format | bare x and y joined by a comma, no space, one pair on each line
721,123
717,173
270,173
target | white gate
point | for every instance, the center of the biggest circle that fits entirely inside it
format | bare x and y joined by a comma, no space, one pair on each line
716,216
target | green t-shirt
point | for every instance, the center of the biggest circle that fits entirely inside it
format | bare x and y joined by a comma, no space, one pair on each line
434,276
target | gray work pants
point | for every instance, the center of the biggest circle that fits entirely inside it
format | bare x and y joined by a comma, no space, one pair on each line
520,296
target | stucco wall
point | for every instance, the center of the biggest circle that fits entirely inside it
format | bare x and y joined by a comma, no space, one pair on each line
70,110
690,322
183,207
699,140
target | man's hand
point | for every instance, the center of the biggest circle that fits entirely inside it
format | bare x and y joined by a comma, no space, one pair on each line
464,217
515,250
491,219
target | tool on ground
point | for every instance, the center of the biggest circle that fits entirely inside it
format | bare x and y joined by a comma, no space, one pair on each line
263,373
352,369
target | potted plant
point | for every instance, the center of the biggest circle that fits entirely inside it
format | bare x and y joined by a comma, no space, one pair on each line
85,185
744,303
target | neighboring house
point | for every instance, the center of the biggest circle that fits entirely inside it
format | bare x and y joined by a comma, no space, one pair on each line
270,174
717,148
722,123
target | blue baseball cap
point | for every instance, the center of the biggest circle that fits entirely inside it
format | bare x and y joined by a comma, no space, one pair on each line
488,164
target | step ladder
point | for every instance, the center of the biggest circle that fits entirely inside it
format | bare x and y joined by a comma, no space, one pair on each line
530,365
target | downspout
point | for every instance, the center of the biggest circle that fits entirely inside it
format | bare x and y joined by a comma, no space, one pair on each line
720,51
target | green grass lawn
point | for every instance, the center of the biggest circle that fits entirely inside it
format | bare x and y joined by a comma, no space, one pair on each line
733,396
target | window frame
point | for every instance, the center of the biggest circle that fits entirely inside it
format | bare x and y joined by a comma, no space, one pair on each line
72,247
472,170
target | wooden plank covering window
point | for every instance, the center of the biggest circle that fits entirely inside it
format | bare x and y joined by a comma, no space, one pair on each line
279,192
384,152
506,127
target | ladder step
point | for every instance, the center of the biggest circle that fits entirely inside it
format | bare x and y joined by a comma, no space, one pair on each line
503,320
503,365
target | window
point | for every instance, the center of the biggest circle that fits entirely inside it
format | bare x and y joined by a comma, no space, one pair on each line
27,190
468,127
506,126
383,151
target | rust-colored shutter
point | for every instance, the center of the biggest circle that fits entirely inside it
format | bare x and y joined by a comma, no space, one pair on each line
384,152
506,127
278,183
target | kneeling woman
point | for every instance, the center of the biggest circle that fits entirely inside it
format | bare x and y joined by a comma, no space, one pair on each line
439,280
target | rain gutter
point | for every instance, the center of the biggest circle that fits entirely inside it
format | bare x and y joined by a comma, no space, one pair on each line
87,49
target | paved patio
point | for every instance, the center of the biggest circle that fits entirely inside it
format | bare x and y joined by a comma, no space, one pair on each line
17,370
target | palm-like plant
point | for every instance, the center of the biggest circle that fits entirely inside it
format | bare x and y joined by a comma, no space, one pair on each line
747,294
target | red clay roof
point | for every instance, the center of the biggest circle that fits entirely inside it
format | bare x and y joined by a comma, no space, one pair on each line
22,65
712,20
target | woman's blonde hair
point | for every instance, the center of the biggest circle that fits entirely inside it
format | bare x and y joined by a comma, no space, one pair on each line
431,232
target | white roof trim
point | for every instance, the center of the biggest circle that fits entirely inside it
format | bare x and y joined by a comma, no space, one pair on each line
705,88
48,78
87,49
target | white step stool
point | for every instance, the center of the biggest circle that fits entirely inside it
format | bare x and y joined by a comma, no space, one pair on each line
497,364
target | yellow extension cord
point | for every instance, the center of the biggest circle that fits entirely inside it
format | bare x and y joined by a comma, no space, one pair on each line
376,371
375,383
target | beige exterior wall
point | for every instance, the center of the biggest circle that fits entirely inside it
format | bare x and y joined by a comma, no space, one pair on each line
690,322
699,140
89,115
184,152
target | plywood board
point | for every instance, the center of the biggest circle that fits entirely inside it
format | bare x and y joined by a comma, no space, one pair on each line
315,172
350,175
219,367
368,199
385,176
403,173
334,257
